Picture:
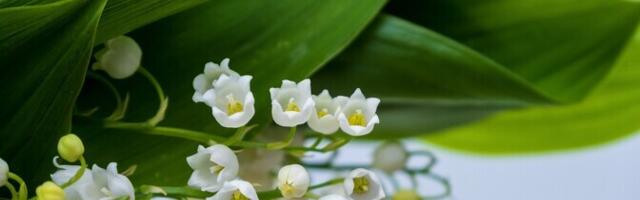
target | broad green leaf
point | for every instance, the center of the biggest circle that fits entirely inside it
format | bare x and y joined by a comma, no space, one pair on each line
122,16
41,80
611,112
428,82
270,40
20,24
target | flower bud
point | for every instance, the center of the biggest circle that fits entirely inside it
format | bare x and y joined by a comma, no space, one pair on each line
120,58
406,194
390,156
49,191
70,147
4,172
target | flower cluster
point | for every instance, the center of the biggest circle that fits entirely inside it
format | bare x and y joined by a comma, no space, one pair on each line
232,103
215,169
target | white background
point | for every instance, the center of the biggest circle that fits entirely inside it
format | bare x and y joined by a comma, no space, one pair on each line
609,172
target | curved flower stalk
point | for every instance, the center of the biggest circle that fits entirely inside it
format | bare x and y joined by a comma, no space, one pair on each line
291,104
358,114
98,183
362,184
212,167
231,100
212,71
326,109
120,58
293,181
236,190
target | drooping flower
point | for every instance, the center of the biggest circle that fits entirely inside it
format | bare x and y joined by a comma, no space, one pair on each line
358,114
325,119
212,71
231,100
333,197
97,183
4,172
362,184
120,58
49,191
235,190
390,156
293,181
70,147
291,104
212,166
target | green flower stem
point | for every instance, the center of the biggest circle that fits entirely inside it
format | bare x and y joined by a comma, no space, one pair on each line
22,191
239,135
439,179
327,183
317,142
164,101
78,175
14,193
121,106
285,143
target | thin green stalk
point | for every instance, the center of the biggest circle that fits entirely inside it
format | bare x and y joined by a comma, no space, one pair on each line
22,191
238,136
285,143
14,193
121,107
78,175
317,142
327,183
164,101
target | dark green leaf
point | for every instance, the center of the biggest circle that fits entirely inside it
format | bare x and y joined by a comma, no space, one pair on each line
41,80
610,112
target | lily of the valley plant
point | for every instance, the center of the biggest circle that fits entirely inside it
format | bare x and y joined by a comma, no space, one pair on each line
216,169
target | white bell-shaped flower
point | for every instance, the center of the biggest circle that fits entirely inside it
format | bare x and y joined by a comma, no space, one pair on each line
358,114
97,183
362,184
236,190
324,120
231,100
120,58
390,156
212,166
293,181
4,172
333,197
212,71
291,104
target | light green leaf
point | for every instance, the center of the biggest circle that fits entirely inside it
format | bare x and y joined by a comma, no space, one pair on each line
269,40
41,80
611,112
428,82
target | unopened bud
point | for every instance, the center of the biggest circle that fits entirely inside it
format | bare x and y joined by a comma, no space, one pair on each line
49,191
70,147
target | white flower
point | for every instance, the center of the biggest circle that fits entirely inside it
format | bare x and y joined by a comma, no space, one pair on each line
326,109
236,190
293,181
333,197
96,183
390,156
362,184
212,71
4,172
231,100
120,58
212,166
358,114
291,104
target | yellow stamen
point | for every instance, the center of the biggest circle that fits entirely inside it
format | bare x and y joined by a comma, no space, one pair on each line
237,195
216,169
323,112
292,106
361,185
233,106
357,119
287,189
